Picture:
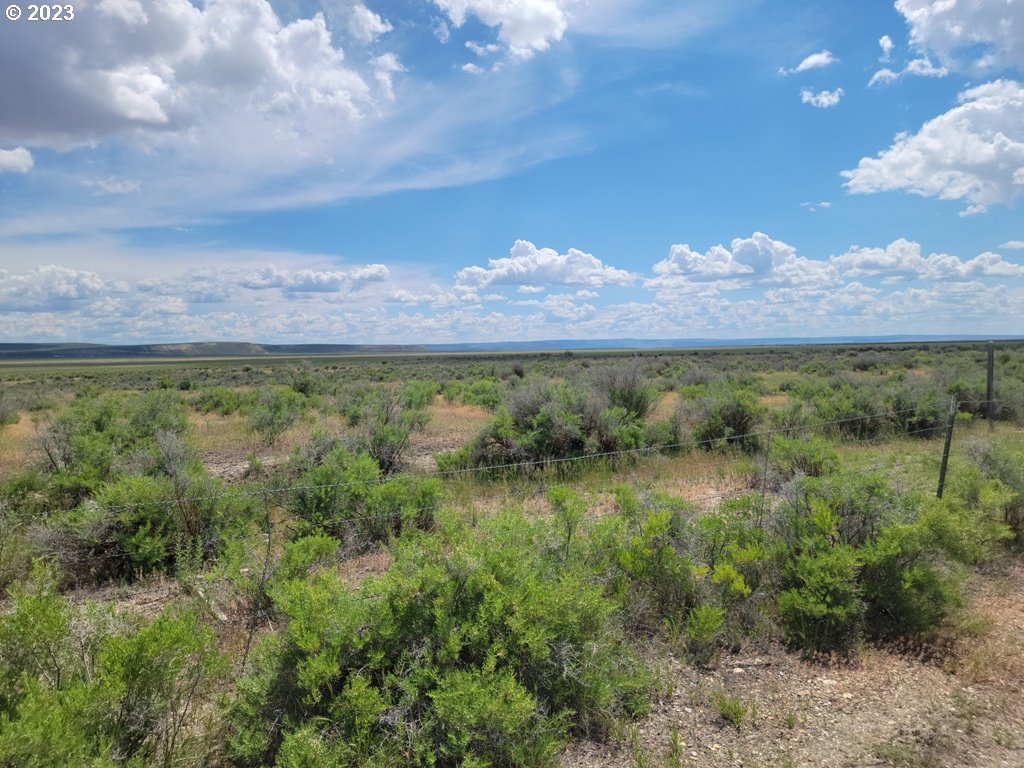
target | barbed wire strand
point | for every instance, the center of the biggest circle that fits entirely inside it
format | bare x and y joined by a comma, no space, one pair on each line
547,462
415,511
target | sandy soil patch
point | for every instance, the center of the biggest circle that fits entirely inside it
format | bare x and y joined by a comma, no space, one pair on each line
954,701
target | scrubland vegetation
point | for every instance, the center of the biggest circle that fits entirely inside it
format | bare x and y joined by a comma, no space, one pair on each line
471,561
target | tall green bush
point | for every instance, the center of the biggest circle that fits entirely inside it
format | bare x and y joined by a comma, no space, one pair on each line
483,648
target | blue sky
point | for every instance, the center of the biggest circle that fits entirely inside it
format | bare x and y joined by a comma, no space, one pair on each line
472,170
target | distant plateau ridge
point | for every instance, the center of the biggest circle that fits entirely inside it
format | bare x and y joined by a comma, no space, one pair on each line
72,351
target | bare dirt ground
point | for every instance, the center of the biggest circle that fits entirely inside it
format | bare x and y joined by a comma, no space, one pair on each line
451,426
953,701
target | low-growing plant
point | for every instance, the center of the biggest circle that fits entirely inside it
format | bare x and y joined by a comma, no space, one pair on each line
703,626
731,708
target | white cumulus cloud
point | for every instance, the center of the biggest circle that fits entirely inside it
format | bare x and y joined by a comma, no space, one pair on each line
753,260
371,273
527,264
886,44
974,152
902,260
975,35
822,99
922,67
52,287
525,26
883,76
366,25
18,160
168,66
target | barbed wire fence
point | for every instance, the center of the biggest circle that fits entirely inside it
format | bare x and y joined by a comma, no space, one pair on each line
721,475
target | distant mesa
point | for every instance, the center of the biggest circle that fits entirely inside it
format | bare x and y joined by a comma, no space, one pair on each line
81,351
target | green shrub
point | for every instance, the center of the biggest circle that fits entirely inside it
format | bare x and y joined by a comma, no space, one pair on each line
328,496
703,626
823,609
624,386
273,411
652,576
486,393
80,688
145,519
1007,467
479,648
8,410
857,559
23,499
665,436
812,456
918,409
305,553
100,437
389,424
859,505
221,400
347,497
732,546
615,430
730,708
905,588
569,511
731,418
142,524
485,718
418,395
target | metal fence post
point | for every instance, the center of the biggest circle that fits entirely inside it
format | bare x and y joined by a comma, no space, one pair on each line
989,384
945,449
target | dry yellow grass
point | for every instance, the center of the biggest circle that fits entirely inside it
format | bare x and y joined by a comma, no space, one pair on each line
225,442
666,407
17,445
450,427
219,435
777,402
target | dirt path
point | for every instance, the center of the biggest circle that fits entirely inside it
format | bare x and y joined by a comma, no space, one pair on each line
954,703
